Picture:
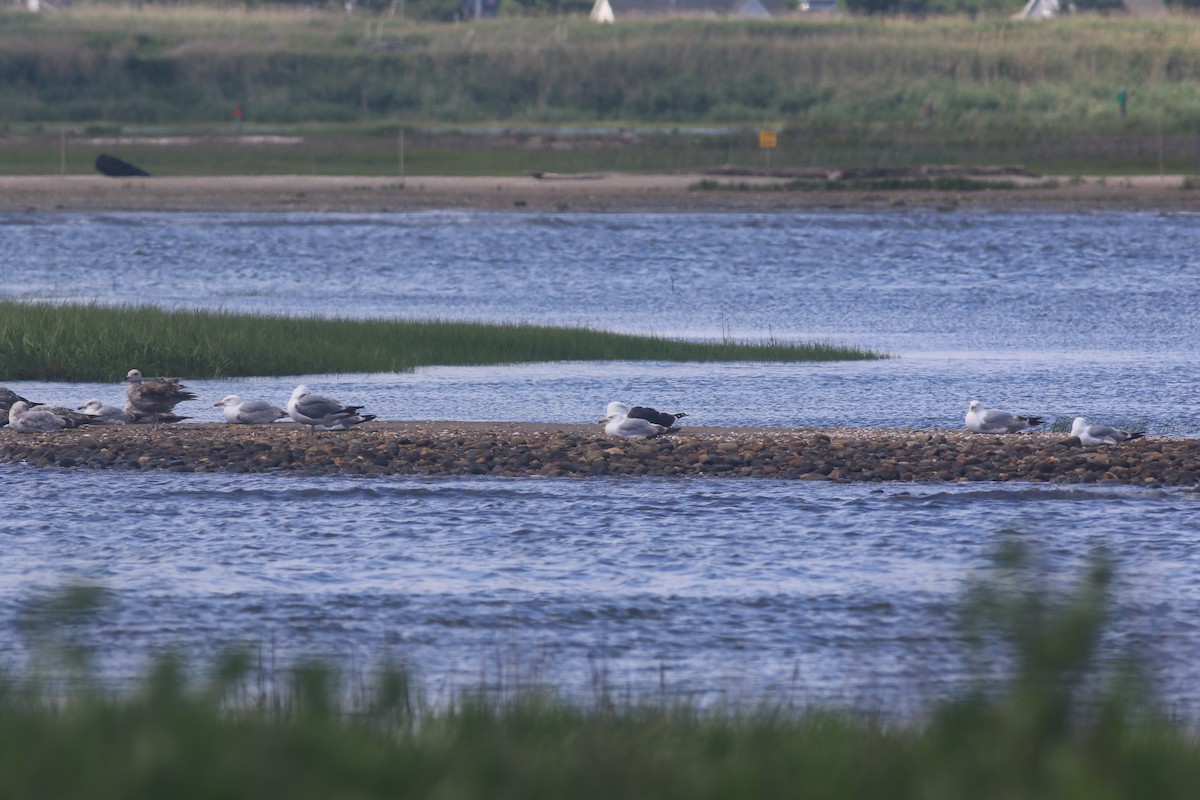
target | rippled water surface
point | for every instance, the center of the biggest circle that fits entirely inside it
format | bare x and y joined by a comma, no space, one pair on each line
710,589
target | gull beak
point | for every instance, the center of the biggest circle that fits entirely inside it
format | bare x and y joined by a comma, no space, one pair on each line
601,422
218,403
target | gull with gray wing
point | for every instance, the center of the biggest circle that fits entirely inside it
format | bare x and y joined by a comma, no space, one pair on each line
249,412
23,419
990,420
103,414
1090,434
323,413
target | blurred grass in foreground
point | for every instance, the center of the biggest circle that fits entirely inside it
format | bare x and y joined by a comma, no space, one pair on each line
1046,718
44,341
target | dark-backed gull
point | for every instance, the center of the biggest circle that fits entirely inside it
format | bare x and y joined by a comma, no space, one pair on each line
643,412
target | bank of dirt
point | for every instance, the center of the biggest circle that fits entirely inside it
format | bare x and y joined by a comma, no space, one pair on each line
533,450
605,192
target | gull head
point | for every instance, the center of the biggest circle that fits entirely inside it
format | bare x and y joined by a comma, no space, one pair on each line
17,409
616,407
230,400
975,406
92,406
1078,425
134,376
300,391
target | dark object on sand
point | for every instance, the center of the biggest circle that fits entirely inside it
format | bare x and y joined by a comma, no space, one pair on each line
114,167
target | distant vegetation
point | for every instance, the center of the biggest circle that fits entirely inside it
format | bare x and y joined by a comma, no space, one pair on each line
840,90
42,341
1048,717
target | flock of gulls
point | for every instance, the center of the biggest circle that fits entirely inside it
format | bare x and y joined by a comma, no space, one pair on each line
990,420
153,400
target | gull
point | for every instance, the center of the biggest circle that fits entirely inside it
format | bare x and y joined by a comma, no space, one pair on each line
7,398
154,397
643,412
102,414
344,423
625,427
986,420
23,419
249,412
323,413
137,417
1100,434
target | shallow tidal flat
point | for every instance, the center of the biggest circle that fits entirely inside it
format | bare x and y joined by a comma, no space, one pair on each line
530,449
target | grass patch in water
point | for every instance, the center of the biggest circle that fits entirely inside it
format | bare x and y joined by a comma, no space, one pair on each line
44,341
1048,718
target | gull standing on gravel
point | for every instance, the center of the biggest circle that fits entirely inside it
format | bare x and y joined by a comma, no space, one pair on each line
249,412
643,412
102,414
1100,434
154,397
23,419
987,420
625,427
323,413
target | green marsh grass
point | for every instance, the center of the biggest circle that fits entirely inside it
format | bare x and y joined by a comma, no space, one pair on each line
840,90
1046,718
44,341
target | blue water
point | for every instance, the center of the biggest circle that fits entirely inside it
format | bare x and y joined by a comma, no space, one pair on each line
709,590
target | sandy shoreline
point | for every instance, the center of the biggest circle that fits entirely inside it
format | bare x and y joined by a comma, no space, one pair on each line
523,450
610,192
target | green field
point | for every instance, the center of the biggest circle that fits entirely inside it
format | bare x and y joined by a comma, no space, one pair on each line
42,341
563,94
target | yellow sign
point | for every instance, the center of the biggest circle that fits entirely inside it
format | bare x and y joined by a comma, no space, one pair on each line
766,139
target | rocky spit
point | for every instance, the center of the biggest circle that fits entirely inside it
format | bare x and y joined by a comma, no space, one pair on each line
524,450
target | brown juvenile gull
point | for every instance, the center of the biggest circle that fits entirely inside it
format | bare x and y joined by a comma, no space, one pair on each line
323,413
988,420
23,419
1100,434
138,417
643,412
154,397
103,414
249,412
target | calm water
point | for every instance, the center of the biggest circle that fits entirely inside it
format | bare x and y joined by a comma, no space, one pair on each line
695,588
